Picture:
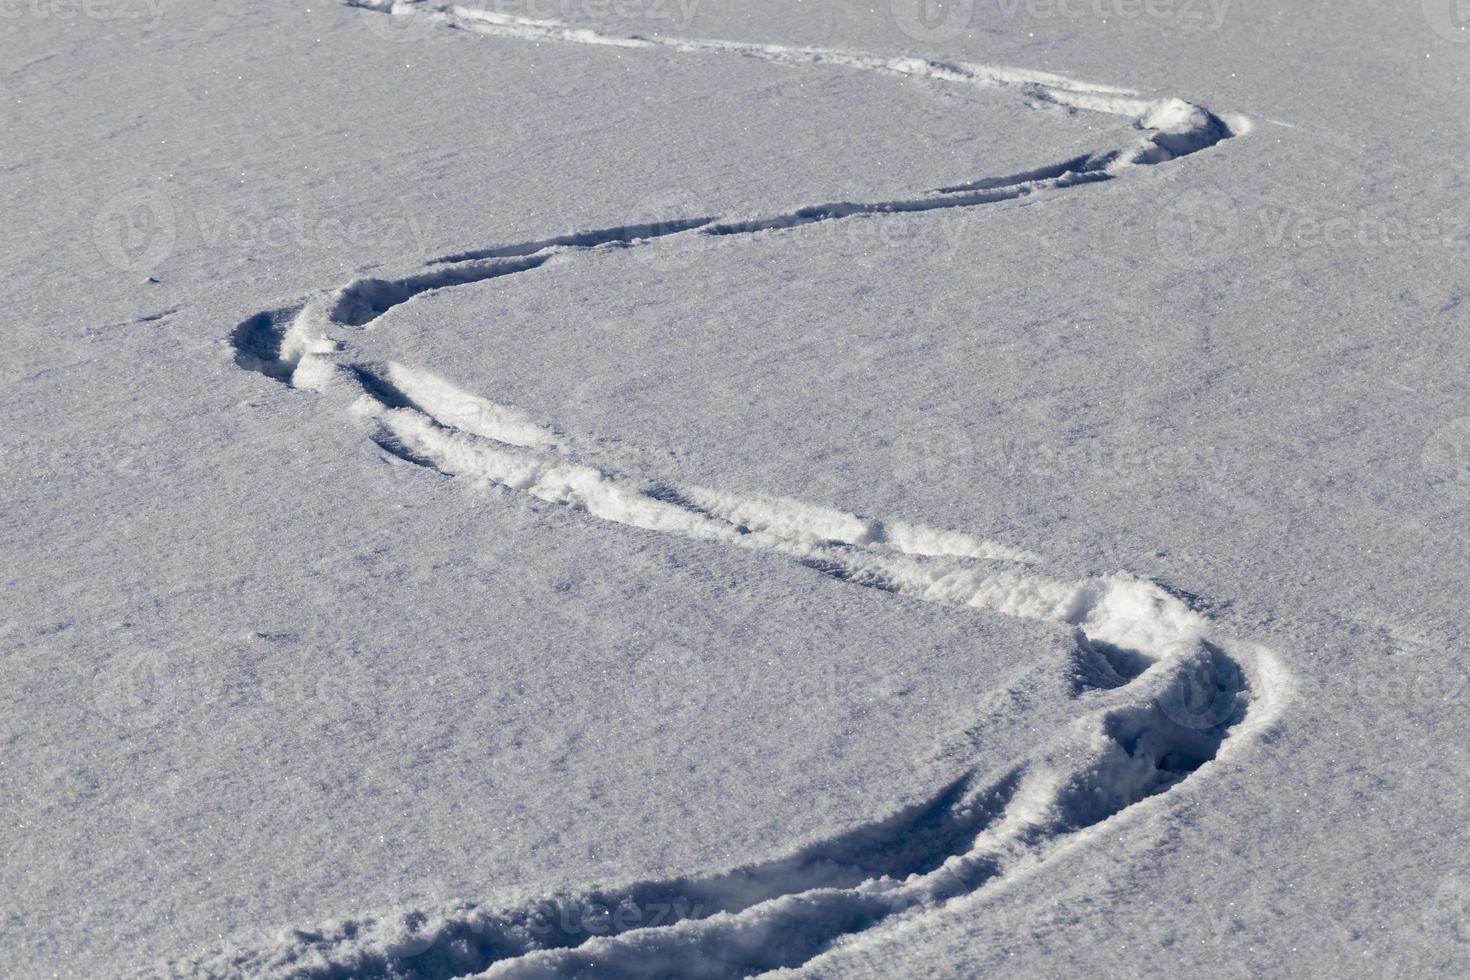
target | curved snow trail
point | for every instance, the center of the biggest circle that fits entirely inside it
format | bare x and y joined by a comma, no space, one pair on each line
1162,694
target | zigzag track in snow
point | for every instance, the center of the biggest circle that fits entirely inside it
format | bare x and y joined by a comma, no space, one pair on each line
1161,694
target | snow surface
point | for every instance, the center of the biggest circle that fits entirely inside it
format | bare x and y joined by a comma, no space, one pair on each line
690,489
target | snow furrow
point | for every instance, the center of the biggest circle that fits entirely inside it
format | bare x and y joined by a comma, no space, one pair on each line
1169,128
1175,127
625,235
1162,722
1177,695
921,563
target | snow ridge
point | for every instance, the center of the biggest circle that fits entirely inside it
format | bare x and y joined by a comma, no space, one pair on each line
783,913
1164,695
1038,85
1169,128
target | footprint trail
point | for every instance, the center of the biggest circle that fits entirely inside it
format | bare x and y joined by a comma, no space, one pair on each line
1165,694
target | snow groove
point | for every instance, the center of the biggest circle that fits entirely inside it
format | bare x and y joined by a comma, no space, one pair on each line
274,342
1169,699
1178,128
626,235
1164,694
1169,128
